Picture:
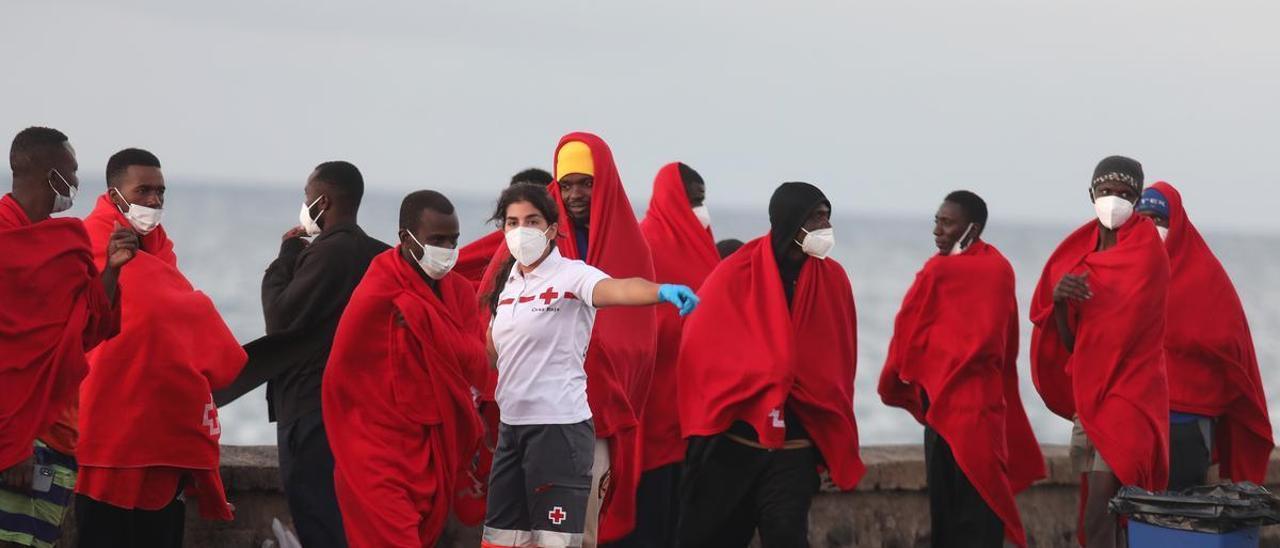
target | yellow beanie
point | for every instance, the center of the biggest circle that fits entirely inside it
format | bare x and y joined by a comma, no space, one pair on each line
574,157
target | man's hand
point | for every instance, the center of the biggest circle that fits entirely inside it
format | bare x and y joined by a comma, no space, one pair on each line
18,478
122,246
295,232
1073,287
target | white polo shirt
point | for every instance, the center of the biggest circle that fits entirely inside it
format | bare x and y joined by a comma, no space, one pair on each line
541,330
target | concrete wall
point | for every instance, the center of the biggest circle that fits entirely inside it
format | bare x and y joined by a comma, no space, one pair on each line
889,509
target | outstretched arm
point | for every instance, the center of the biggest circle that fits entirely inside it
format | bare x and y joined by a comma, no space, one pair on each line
641,292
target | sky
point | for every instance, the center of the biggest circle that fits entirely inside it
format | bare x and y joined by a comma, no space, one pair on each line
886,105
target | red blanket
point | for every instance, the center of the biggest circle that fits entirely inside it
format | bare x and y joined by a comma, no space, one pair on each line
1213,369
621,354
744,355
474,258
54,310
684,253
1115,378
146,401
399,407
956,338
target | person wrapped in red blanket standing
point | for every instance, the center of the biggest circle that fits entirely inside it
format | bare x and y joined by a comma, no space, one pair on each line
148,426
1216,398
765,389
1097,350
58,304
677,227
399,388
953,364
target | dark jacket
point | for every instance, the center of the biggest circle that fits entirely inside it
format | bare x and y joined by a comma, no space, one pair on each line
304,292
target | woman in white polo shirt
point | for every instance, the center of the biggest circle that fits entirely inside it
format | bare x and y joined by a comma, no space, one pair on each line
544,308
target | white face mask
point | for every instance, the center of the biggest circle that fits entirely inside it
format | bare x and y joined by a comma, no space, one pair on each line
435,261
1113,211
818,243
62,202
527,244
703,215
305,220
144,219
1164,232
956,248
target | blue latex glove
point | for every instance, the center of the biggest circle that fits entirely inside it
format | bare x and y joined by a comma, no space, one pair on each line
680,296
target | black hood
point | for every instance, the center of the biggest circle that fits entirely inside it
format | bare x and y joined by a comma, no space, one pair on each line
790,206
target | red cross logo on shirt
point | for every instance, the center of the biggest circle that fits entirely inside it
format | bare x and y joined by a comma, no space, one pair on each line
548,296
557,515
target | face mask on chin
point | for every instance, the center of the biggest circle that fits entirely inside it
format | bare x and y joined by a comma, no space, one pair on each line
818,243
144,219
436,262
62,202
527,244
1164,232
1112,211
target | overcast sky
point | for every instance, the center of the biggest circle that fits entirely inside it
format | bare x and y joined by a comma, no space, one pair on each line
885,105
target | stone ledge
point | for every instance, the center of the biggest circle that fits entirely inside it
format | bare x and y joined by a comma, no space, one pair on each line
888,508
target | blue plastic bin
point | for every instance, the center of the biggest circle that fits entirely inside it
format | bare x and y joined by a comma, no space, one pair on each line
1145,535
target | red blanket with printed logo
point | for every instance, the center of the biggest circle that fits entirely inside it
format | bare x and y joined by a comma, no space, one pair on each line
744,354
146,401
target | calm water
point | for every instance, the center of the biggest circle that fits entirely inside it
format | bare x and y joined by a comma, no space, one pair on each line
226,236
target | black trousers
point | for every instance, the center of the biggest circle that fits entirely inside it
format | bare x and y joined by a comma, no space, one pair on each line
958,514
306,470
101,525
657,509
1189,455
730,491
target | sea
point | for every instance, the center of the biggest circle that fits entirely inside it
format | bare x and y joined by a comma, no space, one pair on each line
225,235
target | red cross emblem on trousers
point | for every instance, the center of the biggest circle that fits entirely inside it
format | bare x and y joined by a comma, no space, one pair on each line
557,515
548,296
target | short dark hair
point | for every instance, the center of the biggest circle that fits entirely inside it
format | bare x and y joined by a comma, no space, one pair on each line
344,179
120,161
32,147
416,202
973,206
727,247
532,175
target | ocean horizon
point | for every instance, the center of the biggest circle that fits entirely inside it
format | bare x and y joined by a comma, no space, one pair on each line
226,235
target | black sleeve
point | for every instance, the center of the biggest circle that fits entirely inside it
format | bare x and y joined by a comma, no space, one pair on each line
300,287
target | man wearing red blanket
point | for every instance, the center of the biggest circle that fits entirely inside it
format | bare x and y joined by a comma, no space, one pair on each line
598,226
56,307
1097,350
148,427
399,388
1215,390
678,230
765,387
953,363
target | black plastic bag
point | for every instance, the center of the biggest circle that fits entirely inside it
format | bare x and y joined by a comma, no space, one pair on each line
1206,509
